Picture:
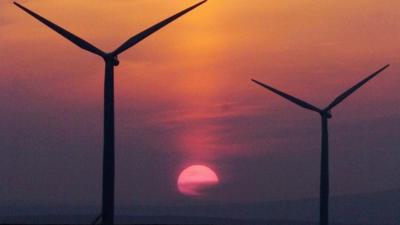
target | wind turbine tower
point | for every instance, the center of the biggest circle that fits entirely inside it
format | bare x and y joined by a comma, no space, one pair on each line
111,60
325,114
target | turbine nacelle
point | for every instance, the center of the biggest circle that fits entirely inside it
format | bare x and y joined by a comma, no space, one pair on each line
115,61
326,114
111,58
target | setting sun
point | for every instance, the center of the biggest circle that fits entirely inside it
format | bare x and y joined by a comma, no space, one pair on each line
196,180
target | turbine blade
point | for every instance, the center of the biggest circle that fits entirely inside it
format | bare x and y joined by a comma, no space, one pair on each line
295,100
144,34
66,34
350,91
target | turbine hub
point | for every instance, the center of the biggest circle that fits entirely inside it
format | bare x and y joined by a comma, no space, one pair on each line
326,114
112,58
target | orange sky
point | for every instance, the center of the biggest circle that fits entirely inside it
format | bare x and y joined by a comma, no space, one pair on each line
213,49
198,69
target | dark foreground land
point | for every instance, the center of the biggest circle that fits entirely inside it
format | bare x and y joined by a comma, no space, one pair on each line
380,208
169,220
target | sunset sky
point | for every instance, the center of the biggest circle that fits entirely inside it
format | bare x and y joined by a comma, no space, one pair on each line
183,97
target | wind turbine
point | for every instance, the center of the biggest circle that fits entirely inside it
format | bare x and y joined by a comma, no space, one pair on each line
325,115
111,60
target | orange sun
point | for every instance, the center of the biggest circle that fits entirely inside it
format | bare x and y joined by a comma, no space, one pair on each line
195,180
